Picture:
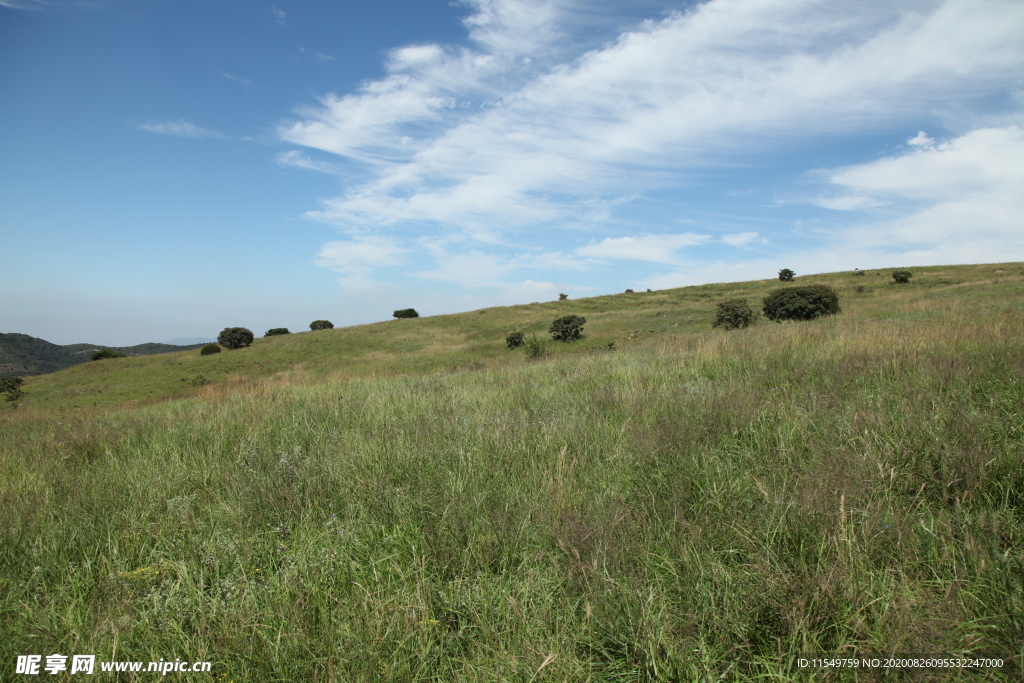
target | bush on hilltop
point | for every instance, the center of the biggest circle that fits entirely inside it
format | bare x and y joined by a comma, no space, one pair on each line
321,325
209,349
734,314
801,303
107,353
567,328
276,331
235,337
406,313
902,277
786,275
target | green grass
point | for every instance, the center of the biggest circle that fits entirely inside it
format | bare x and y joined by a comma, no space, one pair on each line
697,505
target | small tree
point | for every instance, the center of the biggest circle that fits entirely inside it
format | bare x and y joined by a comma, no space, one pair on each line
235,337
276,331
11,388
734,314
629,291
567,328
902,277
786,275
801,303
107,353
209,350
321,325
563,297
859,273
514,340
406,313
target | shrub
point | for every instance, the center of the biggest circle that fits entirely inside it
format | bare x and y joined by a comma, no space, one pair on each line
11,386
902,277
567,328
235,337
563,297
860,289
321,325
629,291
858,273
276,331
786,275
734,314
801,303
534,348
514,340
197,381
107,353
209,349
406,313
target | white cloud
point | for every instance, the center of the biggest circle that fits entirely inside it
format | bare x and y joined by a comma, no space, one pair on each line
653,248
279,16
361,254
740,239
962,198
179,128
471,135
296,159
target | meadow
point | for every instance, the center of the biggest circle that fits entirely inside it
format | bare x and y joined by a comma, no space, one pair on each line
411,501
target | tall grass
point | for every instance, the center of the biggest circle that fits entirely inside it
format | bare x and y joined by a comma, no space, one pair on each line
699,507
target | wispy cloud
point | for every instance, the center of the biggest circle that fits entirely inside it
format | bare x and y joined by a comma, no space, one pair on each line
237,79
318,56
296,159
279,16
179,128
497,132
23,4
653,248
741,239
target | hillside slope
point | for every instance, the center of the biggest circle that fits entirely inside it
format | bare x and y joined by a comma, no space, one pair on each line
23,355
475,340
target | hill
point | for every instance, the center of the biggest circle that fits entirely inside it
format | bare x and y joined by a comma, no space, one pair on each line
410,501
475,340
22,355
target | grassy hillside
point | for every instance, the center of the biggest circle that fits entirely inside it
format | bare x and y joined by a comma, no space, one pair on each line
22,355
475,340
696,505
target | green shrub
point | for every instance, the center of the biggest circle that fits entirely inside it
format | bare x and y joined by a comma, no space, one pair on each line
321,325
902,277
107,353
859,273
567,328
534,348
801,303
786,275
734,314
197,381
11,387
209,349
276,331
406,313
235,337
514,340
563,297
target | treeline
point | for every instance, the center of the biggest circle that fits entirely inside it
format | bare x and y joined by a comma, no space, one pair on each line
24,355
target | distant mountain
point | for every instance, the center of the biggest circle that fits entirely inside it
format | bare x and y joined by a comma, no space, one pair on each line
191,341
22,355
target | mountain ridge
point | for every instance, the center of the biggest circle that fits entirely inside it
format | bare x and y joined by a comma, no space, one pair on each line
25,355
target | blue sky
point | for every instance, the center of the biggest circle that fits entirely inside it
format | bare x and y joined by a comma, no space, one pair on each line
173,167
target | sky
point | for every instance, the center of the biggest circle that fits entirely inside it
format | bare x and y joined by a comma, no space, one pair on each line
173,167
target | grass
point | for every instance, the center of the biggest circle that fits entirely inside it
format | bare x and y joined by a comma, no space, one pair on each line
697,505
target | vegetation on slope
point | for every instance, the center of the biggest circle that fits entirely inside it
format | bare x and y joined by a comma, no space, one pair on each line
702,506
